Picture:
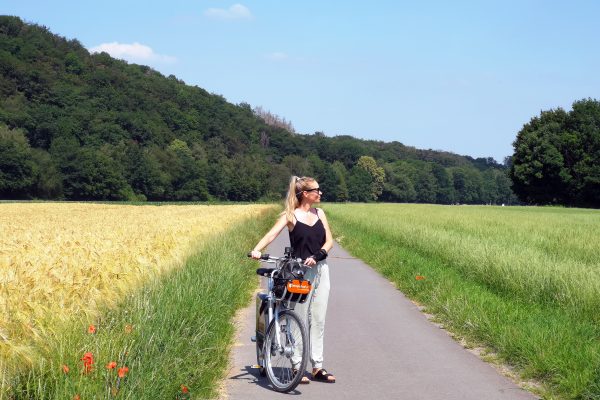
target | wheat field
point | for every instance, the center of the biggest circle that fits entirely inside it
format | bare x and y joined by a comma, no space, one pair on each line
58,260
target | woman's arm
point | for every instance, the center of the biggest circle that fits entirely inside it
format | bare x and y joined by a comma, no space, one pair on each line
270,236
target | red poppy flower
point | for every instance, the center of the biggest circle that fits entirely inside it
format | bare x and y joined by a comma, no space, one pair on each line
91,329
76,397
184,389
111,365
88,361
123,372
419,277
65,369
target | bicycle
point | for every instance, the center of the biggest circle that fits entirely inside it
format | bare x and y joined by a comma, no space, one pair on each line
281,336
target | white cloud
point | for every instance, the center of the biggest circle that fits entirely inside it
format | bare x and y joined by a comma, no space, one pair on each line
134,52
236,11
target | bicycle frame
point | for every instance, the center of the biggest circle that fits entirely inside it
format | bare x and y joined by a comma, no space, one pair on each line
274,306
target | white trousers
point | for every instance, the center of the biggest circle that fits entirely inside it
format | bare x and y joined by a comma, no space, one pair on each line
313,311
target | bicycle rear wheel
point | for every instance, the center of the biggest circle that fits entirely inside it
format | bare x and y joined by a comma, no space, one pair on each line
281,362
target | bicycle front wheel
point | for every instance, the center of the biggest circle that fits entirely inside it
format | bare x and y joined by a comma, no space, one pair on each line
286,358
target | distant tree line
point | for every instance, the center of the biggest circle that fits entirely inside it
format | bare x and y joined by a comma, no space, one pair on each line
82,126
557,157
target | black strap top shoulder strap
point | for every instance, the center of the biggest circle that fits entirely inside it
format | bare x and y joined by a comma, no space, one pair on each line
315,211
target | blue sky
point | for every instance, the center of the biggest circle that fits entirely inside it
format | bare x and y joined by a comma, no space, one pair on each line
460,76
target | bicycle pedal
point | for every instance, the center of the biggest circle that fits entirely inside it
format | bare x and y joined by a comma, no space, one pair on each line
256,366
253,339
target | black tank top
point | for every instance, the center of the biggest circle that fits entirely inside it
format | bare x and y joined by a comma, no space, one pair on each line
306,240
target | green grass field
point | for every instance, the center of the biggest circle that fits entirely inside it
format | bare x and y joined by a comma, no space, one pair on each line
523,281
174,331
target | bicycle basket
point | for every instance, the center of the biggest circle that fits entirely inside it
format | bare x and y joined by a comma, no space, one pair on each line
289,283
295,290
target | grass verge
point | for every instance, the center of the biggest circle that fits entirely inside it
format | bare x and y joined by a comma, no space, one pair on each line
168,340
546,342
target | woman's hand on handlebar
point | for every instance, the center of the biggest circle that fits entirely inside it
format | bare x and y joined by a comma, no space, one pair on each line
310,261
255,254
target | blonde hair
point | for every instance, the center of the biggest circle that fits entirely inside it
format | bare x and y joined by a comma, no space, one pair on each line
294,194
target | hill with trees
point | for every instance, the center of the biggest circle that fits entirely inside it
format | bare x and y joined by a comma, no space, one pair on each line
81,126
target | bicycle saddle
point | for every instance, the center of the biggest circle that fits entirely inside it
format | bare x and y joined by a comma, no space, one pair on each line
264,271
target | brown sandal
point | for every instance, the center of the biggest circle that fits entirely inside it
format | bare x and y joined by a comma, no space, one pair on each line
323,376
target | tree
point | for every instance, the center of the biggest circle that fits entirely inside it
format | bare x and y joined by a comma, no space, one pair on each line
398,186
425,186
325,175
585,121
538,171
445,191
88,173
467,184
145,173
345,149
277,182
341,188
299,166
17,170
188,179
360,182
73,63
489,188
376,173
48,183
247,178
557,157
505,193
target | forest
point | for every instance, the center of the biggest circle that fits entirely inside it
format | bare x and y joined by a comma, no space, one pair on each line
81,126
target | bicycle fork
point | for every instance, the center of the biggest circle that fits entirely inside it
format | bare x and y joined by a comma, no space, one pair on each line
286,348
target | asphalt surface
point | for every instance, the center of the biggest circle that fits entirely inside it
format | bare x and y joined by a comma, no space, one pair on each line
377,344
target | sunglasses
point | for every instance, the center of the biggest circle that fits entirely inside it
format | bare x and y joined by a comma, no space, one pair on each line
314,190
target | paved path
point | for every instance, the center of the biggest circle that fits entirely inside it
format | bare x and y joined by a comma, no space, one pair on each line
377,344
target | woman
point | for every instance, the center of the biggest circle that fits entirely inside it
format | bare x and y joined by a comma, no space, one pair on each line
310,239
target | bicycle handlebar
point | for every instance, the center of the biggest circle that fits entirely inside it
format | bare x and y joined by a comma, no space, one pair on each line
265,257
